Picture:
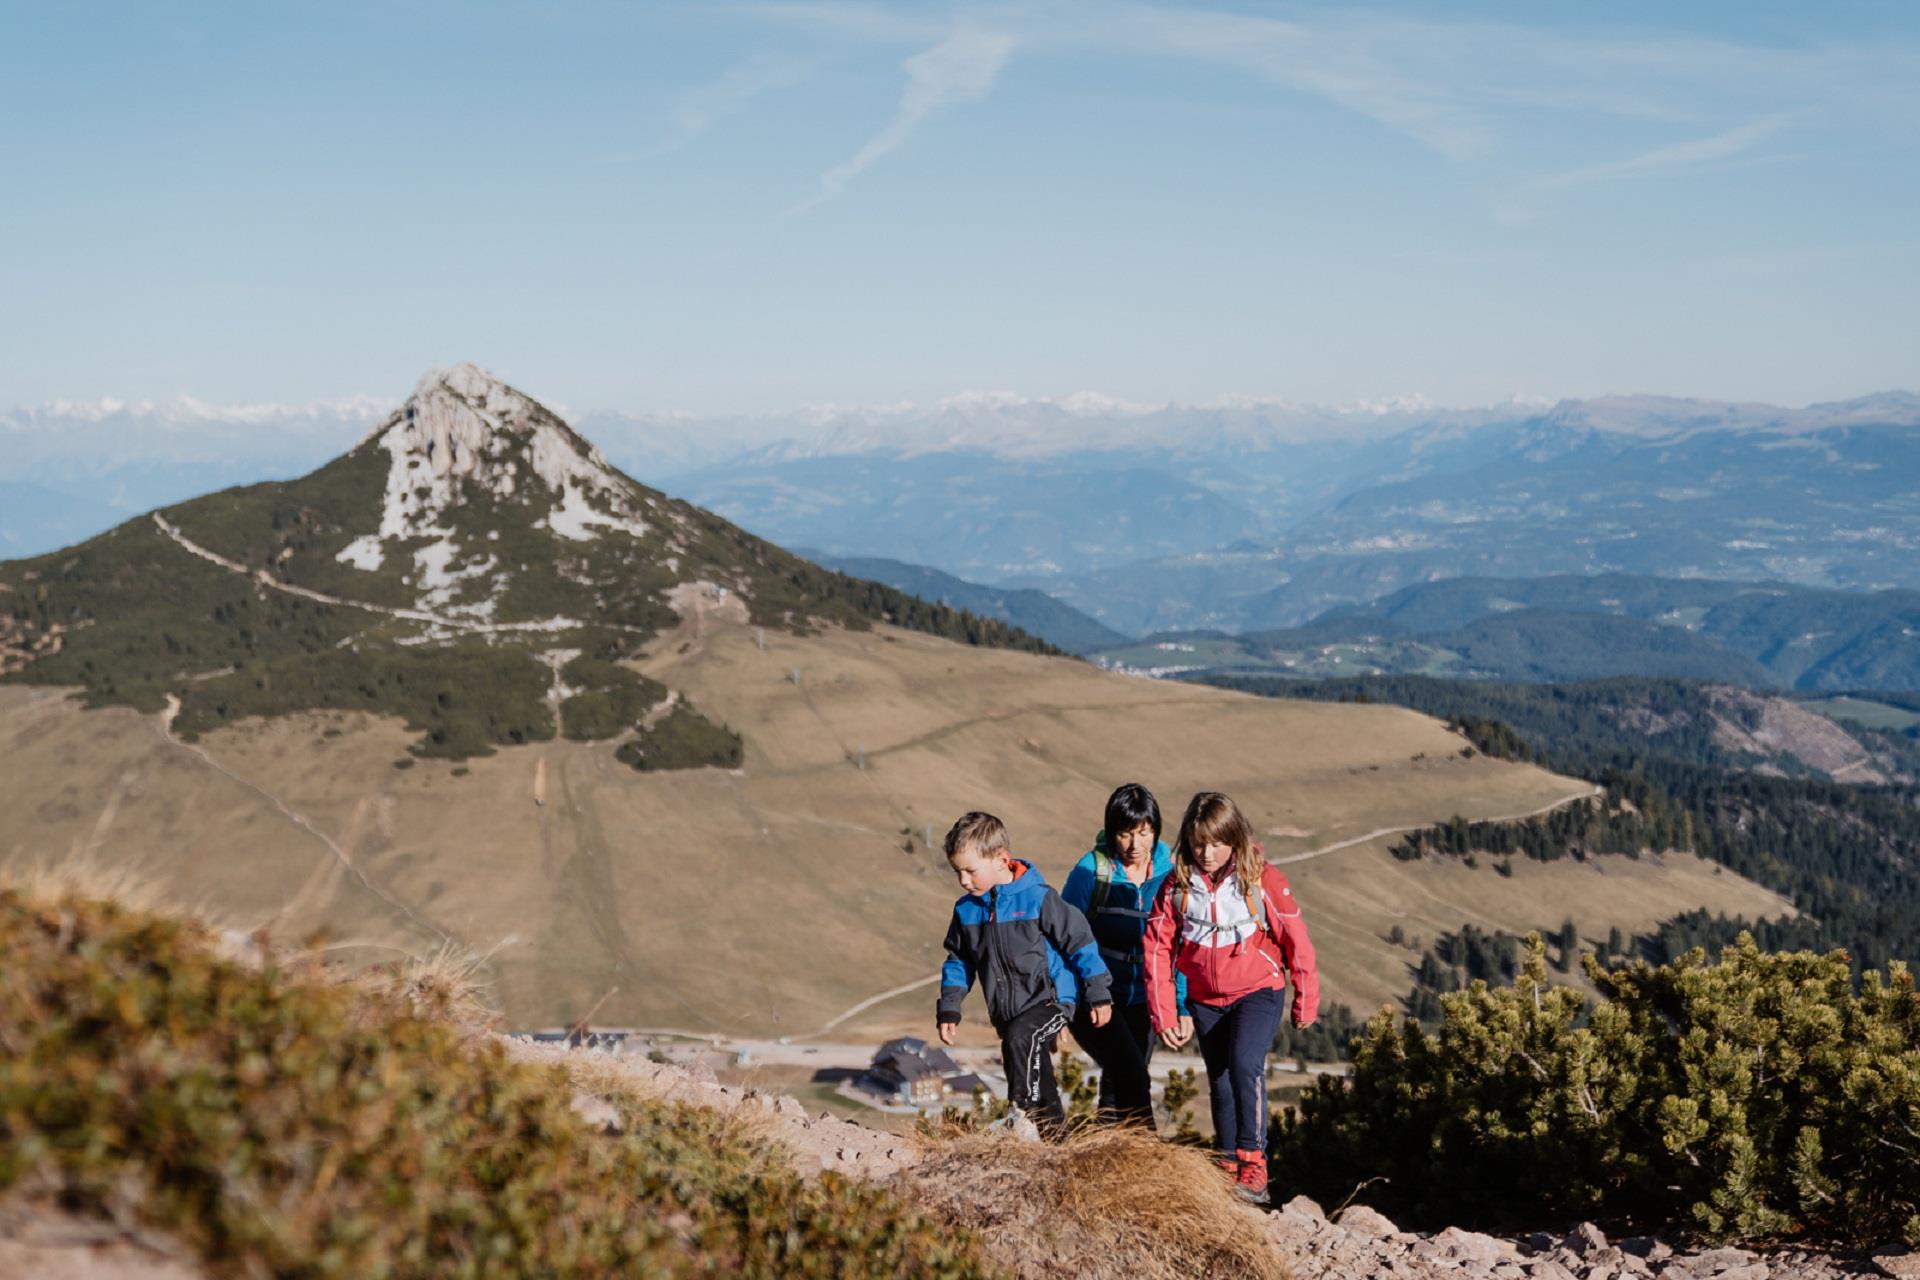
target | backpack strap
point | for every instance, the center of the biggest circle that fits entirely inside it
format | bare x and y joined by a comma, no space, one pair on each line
1103,868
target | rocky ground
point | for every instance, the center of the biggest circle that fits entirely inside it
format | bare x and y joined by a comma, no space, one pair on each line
1356,1243
1359,1242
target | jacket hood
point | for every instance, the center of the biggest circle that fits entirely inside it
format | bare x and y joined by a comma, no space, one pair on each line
1027,883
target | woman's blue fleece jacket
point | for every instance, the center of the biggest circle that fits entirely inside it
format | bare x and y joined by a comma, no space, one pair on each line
1121,923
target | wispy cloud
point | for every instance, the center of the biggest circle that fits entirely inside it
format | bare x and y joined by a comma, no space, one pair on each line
1355,65
1678,155
961,68
1475,92
729,95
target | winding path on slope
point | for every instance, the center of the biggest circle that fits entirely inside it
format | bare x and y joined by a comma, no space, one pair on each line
298,819
266,579
1590,793
906,988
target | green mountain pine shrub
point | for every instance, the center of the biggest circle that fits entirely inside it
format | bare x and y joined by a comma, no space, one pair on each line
682,739
1756,1095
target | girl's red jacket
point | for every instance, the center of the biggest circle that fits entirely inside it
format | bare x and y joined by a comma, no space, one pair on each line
1228,967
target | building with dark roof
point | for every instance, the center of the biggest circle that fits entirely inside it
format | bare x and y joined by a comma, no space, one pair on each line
911,1072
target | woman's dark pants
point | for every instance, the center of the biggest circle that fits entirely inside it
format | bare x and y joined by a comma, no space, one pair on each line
1121,1050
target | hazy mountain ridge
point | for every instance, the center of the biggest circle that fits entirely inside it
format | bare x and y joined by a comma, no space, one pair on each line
1576,627
1243,517
1032,611
472,565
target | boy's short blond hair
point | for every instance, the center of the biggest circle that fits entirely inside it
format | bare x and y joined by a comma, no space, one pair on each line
976,833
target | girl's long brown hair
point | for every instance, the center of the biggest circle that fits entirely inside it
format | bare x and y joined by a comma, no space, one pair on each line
1213,818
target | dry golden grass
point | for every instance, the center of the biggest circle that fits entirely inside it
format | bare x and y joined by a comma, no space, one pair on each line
451,982
90,877
1103,1203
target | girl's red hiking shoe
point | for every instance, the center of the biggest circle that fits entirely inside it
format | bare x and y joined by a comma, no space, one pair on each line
1250,1182
1229,1164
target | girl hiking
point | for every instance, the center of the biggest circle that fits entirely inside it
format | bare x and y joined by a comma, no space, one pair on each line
1230,925
1115,884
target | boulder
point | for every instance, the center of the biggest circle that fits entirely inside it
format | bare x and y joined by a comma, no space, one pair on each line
1466,1247
1362,1221
1302,1207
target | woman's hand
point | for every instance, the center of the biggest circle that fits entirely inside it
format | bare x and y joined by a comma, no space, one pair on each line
1177,1034
1099,1014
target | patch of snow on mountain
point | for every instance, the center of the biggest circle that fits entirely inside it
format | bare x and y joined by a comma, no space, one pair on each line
575,519
363,553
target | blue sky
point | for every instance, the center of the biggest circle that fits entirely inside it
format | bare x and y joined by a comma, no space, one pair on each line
737,207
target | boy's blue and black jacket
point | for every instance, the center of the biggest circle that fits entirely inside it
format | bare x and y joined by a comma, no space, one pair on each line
1026,947
1119,919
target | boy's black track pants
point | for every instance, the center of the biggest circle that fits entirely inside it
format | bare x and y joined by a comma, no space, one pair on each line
1026,1049
1121,1050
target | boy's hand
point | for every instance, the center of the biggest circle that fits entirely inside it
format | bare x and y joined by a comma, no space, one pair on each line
1178,1034
946,1033
1099,1014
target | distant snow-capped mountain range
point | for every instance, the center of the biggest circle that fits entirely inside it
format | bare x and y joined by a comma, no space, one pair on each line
1238,514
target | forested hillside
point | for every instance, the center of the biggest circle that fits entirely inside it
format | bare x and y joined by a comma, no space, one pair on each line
1846,855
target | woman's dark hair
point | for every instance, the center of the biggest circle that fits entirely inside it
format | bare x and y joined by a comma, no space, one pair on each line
1127,808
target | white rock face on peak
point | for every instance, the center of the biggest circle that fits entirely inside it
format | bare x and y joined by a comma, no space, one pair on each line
464,431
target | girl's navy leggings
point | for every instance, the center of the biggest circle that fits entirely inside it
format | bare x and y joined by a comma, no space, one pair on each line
1234,1040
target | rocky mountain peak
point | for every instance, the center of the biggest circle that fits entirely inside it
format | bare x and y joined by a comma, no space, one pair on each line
465,436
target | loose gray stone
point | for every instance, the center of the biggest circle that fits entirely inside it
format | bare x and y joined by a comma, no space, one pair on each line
596,1111
1714,1261
1585,1239
1897,1261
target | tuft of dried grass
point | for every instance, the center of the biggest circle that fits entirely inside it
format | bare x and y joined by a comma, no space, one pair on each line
451,983
1105,1202
85,877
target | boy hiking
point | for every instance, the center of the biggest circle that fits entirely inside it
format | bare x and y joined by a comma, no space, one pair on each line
1230,924
1033,954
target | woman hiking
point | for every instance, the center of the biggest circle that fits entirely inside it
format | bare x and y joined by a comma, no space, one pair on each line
1115,884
